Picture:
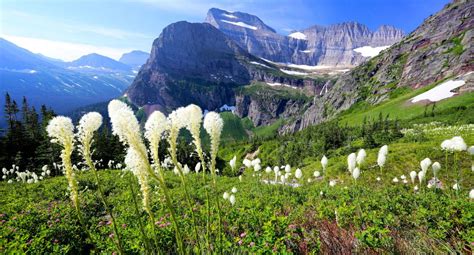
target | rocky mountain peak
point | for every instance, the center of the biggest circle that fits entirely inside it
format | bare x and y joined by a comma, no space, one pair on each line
242,21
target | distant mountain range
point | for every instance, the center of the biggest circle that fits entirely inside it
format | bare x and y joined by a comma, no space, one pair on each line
61,85
345,44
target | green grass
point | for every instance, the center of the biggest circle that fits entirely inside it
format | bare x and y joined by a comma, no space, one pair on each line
401,108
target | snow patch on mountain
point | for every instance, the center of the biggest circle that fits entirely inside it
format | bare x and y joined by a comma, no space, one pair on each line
240,24
440,92
298,35
369,51
230,16
292,72
260,64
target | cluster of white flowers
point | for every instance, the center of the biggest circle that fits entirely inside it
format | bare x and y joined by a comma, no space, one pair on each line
14,174
437,129
155,126
230,195
454,144
138,165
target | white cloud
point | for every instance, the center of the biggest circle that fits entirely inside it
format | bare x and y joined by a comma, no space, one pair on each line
63,50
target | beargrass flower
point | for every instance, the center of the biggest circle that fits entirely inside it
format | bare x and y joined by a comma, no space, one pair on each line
470,150
458,144
298,173
138,166
226,195
247,163
155,126
234,190
268,170
257,167
361,157
351,162
61,129
415,188
447,145
316,174
424,164
232,199
413,175
197,168
332,183
324,162
436,167
471,194
378,179
356,173
233,162
288,169
456,186
395,180
421,176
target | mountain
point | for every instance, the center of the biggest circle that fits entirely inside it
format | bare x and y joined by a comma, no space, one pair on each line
98,62
23,73
335,45
439,49
135,58
197,63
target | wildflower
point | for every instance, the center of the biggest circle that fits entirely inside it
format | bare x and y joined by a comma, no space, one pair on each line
256,162
456,186
298,173
247,163
383,150
316,174
138,165
186,170
415,188
324,162
471,194
424,164
321,193
395,180
232,199
268,170
288,169
155,126
458,144
351,162
232,162
257,167
361,156
405,181
447,145
197,168
413,175
240,178
403,177
421,176
381,160
378,179
332,183
234,190
436,167
430,185
356,173
470,150
88,124
226,195
62,131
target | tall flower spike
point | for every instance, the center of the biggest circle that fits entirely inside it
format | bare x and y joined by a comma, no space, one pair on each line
351,162
155,126
213,124
193,123
138,166
88,124
61,129
324,162
361,156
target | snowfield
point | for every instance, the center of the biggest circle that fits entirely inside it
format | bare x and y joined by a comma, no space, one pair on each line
240,24
292,72
260,64
298,35
230,16
440,92
369,51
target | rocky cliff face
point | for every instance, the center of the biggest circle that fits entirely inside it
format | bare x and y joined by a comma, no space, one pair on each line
197,63
441,47
317,45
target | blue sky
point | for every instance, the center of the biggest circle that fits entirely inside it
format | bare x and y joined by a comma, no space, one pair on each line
67,29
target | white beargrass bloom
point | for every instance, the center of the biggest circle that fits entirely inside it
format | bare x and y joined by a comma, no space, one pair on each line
458,144
351,162
283,179
197,168
447,145
429,186
456,186
421,176
383,150
288,169
276,169
176,120
268,170
413,175
213,124
88,124
415,188
155,126
256,161
381,160
361,156
403,177
405,181
247,163
316,174
470,150
240,178
378,179
332,183
395,180
356,173
233,162
61,129
257,167
324,162
186,170
298,173
436,167
138,165
234,190
232,199
226,195
424,164
471,194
